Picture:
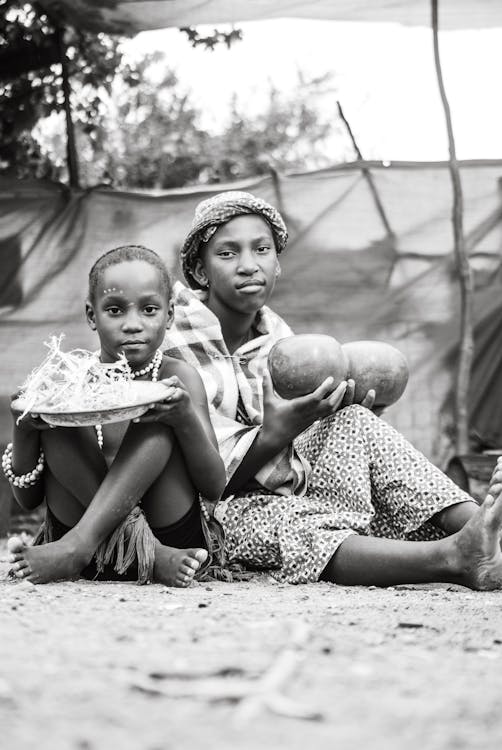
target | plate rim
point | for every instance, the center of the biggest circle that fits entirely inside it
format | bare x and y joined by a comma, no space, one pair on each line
88,412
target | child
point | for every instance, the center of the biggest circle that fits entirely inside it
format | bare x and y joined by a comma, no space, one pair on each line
318,488
123,492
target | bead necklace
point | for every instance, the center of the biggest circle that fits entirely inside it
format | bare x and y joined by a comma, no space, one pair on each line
154,368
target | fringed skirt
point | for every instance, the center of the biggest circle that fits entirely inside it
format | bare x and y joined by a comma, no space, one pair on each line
129,552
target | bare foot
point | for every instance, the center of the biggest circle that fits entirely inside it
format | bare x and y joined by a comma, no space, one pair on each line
477,544
177,567
496,479
55,561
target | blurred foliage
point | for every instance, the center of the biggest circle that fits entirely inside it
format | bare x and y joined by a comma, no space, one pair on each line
136,127
151,135
27,98
210,41
287,133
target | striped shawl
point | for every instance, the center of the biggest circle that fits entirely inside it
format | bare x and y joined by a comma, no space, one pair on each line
233,385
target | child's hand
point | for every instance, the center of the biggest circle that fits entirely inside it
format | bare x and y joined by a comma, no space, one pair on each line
285,419
174,406
30,421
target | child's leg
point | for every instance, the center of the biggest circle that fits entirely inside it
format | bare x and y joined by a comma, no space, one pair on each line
171,507
141,459
76,469
471,556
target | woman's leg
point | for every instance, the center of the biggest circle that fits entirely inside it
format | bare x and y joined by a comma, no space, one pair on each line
471,557
143,456
376,481
454,517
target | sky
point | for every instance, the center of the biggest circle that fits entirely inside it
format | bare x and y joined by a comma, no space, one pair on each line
383,74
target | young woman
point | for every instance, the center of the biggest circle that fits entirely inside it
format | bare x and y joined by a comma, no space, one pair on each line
122,499
317,488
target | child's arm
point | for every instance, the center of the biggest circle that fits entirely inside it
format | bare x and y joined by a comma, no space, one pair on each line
26,447
186,411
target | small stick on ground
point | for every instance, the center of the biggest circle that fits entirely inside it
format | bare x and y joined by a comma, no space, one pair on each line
252,695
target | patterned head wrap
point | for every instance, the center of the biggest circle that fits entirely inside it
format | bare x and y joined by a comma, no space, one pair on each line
216,211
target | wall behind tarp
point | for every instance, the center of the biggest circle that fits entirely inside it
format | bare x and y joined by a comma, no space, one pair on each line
342,274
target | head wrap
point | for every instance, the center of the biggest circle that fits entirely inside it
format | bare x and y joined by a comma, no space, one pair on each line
216,211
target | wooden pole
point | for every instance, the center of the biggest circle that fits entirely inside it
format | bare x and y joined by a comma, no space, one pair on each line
463,265
367,174
71,149
277,188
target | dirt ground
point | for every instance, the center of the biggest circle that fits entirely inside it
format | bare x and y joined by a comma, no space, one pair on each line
111,665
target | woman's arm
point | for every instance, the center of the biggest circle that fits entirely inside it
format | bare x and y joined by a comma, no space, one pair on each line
283,421
186,411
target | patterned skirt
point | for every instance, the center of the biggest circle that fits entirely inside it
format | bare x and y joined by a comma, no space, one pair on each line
366,479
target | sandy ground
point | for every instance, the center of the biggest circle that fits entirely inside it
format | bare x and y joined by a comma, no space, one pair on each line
109,665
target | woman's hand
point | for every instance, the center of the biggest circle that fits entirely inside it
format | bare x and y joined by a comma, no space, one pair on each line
284,419
173,408
348,398
368,401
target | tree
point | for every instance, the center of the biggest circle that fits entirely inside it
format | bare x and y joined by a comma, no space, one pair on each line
149,137
149,134
135,126
210,41
30,80
288,133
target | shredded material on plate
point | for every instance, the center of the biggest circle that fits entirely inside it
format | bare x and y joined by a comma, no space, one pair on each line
75,381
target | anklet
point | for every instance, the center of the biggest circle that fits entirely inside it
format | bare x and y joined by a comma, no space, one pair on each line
154,368
21,480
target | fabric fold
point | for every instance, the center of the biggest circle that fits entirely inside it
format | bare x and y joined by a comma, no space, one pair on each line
234,385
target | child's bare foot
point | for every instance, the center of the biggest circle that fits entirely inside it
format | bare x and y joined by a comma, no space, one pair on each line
177,567
477,544
55,561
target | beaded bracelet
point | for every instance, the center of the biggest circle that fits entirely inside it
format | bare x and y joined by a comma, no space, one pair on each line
21,480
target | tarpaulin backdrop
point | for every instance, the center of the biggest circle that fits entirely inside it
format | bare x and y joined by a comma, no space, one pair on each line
343,273
131,16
